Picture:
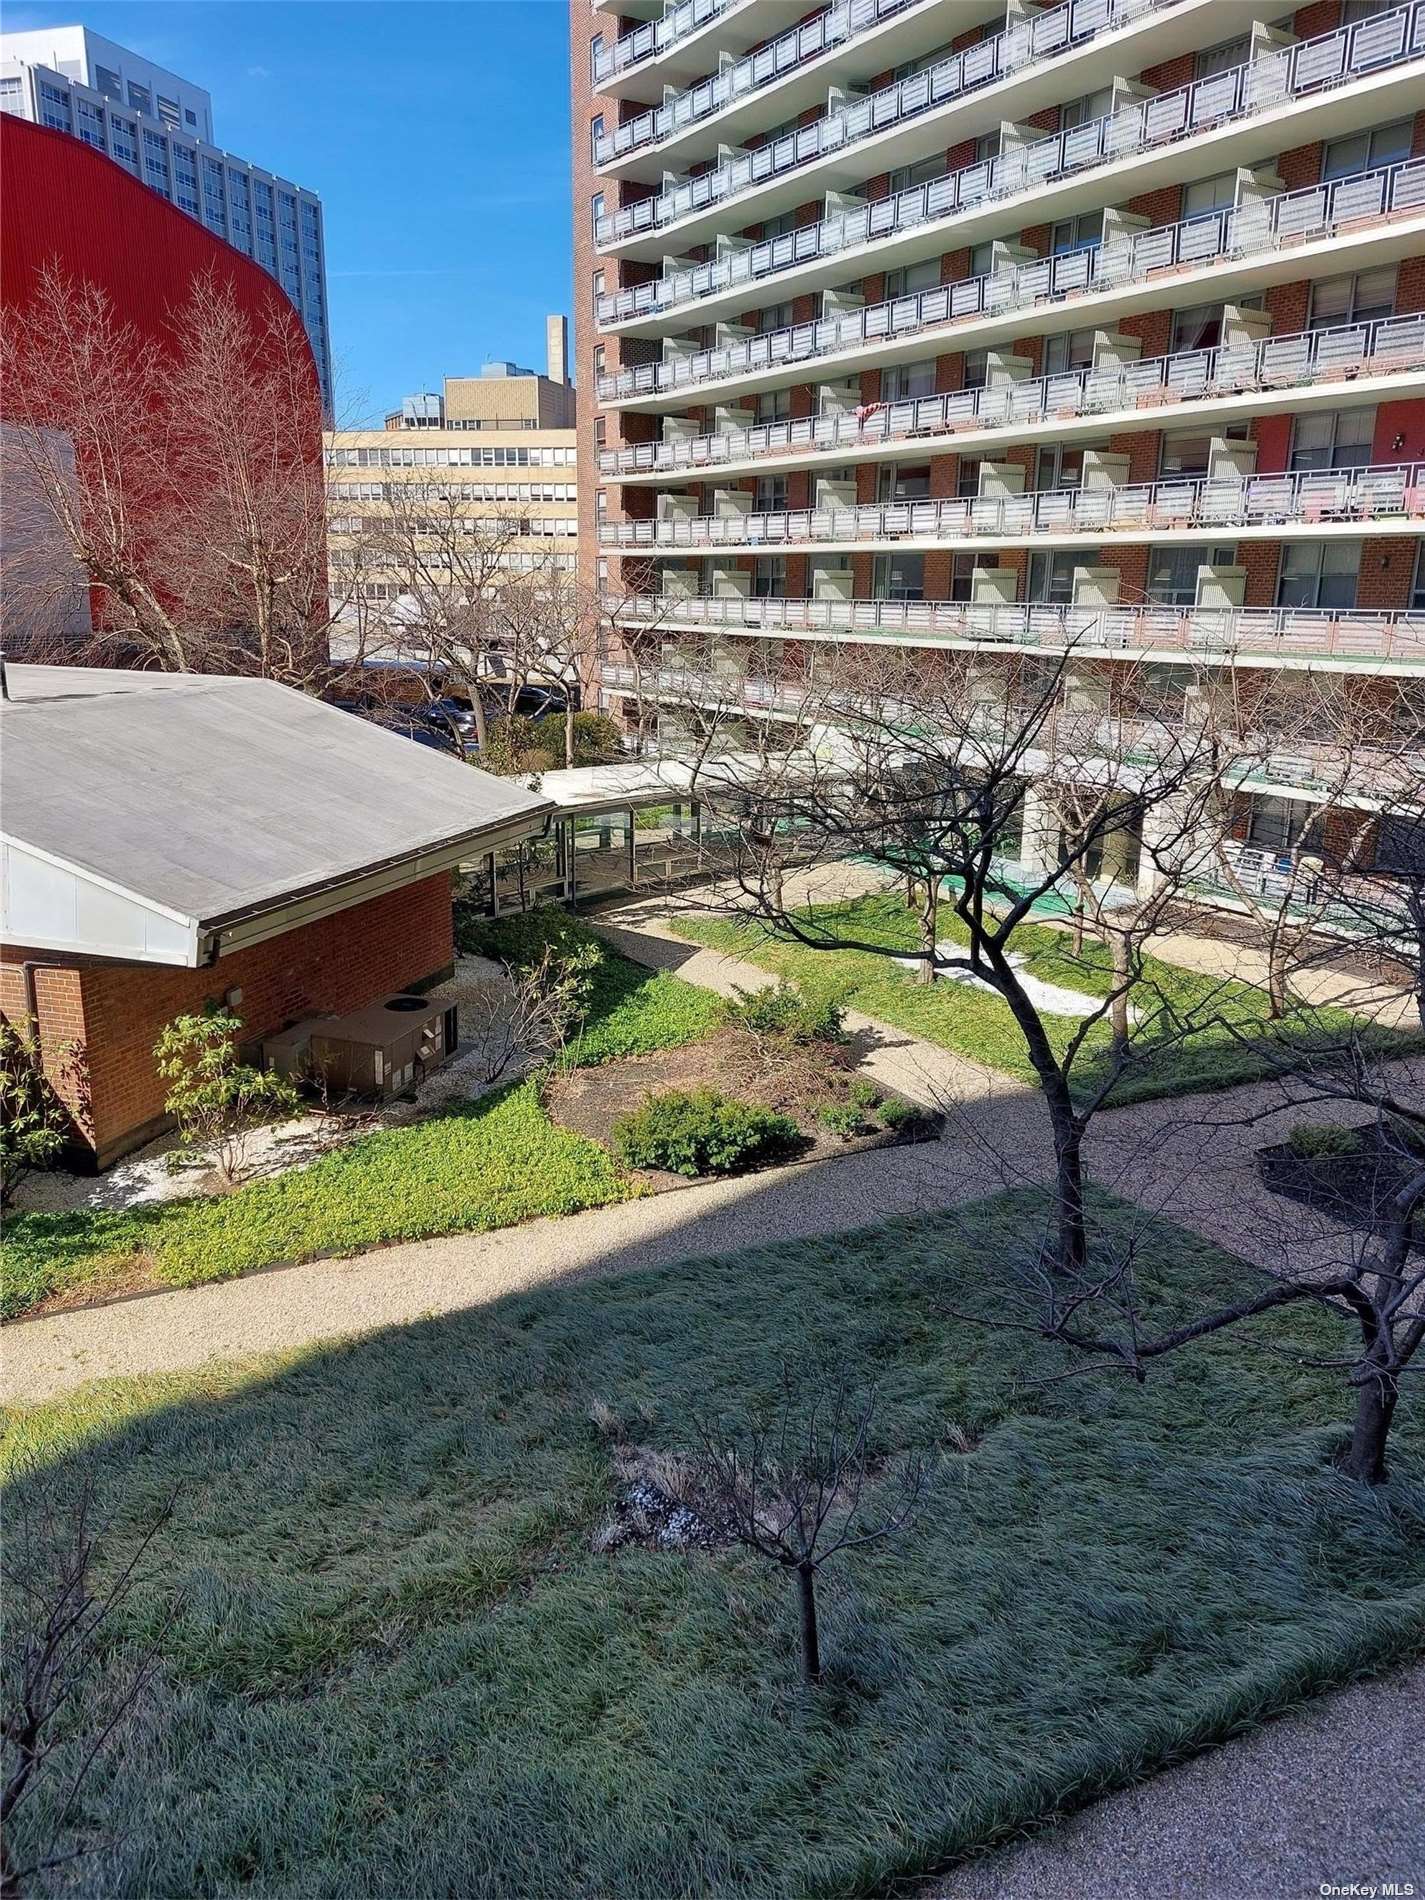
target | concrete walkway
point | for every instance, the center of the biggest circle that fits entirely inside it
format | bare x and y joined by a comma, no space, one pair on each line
1323,1797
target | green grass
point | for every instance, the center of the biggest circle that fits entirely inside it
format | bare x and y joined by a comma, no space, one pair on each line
977,1024
487,1164
490,1164
396,1651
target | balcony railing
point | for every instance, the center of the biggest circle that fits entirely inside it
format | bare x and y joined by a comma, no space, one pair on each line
1294,72
1301,498
1026,43
1284,633
654,37
1292,218
1392,345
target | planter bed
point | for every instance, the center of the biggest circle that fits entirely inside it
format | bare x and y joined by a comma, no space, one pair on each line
1351,1188
591,1101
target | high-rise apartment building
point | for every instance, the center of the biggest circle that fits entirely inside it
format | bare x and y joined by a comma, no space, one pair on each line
1093,328
490,460
160,129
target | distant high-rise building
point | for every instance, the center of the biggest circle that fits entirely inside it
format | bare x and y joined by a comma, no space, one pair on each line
160,129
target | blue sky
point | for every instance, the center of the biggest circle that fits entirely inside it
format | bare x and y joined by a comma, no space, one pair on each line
436,135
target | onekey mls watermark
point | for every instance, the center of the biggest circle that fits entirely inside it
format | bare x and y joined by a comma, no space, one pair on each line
1368,1889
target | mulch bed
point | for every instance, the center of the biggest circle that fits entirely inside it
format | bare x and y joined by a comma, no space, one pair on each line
797,1083
1351,1188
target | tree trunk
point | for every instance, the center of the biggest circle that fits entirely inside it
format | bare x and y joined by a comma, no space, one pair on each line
568,724
1276,980
1364,1458
1071,1250
811,1642
930,929
1118,1008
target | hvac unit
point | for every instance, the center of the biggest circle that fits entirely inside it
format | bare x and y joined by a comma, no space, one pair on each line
383,1050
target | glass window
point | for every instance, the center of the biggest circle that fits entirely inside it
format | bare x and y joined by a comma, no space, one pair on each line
1197,328
1338,440
1206,195
1223,57
962,574
140,99
1400,846
1279,824
167,110
596,209
1190,453
977,369
1417,590
1071,349
771,495
1364,298
898,577
1354,10
596,132
911,279
1051,576
896,483
1172,572
769,577
982,259
1319,574
774,405
108,83
1076,234
924,172
1060,466
775,316
1364,151
1093,105
903,382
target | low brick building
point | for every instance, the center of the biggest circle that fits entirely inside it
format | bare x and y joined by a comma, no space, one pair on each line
174,842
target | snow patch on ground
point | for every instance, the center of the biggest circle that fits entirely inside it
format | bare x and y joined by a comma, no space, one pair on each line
1057,998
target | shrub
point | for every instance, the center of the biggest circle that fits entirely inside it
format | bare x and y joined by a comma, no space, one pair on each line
597,740
216,1100
903,1117
1319,1141
842,1118
784,1014
702,1133
864,1094
32,1117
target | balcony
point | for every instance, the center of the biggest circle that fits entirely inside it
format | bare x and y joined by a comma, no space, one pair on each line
1310,502
676,42
1291,881
1350,361
1314,69
1285,636
792,55
1369,215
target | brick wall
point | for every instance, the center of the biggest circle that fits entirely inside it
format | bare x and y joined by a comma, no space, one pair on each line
116,1010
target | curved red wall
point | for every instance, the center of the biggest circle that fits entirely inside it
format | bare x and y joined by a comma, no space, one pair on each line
65,201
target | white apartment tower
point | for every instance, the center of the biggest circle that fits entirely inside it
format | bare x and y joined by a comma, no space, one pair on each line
160,129
1091,326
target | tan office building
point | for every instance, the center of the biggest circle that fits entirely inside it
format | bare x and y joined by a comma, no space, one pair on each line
493,454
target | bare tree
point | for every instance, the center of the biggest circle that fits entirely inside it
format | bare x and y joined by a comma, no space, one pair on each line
805,1488
65,1701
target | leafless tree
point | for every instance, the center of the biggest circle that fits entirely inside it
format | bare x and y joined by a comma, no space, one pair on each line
807,1487
182,477
65,1700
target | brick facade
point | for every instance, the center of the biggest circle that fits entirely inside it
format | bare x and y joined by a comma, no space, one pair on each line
110,1014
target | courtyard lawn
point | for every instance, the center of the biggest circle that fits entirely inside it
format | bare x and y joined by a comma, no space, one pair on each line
976,1024
398,1666
489,1164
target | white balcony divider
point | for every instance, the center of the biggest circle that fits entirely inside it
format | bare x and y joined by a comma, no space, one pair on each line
1028,41
1297,71
1285,632
654,37
1290,219
1391,345
1395,493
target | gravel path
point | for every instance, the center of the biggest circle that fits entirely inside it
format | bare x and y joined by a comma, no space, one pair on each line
1307,1805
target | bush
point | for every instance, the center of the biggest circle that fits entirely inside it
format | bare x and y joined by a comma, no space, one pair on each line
843,1118
702,1133
784,1014
903,1117
33,1120
1320,1141
597,738
865,1094
217,1101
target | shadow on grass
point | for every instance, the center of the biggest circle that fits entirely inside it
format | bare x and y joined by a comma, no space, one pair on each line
397,1650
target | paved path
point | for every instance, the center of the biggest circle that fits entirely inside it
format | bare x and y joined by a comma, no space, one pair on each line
1326,1796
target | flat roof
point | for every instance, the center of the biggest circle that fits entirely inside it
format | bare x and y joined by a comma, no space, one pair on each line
211,798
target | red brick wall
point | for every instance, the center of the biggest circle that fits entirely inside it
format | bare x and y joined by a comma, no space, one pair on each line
116,1010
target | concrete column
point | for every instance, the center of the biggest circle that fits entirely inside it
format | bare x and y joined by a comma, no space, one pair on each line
1039,843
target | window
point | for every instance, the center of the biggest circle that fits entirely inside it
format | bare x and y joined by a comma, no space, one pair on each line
1051,576
1060,466
190,118
1279,825
982,259
977,369
600,358
1364,298
774,405
907,177
911,279
600,279
1417,589
596,209
108,83
1341,440
769,577
770,497
1071,349
1076,234
898,577
596,132
168,110
1197,328
967,477
778,227
1172,572
1190,452
1223,57
1319,574
1355,10
1400,846
1093,105
962,574
1365,151
140,99
894,483
1208,195
775,316
596,49
903,382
